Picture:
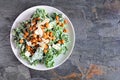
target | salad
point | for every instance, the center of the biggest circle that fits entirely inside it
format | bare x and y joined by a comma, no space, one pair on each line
42,38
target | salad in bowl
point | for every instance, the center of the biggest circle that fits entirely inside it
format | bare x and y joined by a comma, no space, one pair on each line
40,39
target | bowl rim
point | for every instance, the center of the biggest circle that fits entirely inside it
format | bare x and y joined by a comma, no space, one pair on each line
66,56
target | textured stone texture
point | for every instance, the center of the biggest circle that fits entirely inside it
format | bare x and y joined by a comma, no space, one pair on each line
19,72
97,28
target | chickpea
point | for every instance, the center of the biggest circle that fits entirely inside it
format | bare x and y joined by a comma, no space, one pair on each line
21,41
57,18
45,51
46,46
62,41
65,30
65,21
47,24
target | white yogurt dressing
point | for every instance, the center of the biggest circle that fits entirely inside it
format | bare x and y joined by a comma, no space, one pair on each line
56,46
27,54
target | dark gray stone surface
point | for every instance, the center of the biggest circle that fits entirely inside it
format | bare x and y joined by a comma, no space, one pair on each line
97,28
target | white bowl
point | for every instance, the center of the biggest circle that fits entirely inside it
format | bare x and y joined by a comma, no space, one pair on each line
62,57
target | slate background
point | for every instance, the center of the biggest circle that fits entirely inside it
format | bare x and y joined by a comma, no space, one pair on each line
97,28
